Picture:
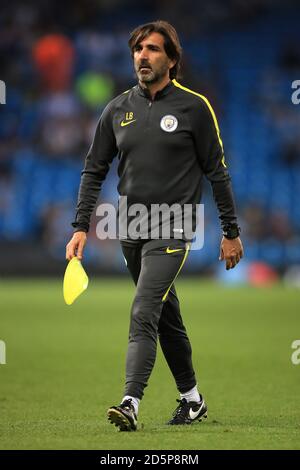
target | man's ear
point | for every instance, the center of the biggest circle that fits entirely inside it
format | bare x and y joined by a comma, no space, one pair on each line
171,63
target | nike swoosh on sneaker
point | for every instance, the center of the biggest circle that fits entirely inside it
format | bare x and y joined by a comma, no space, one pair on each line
123,124
195,414
169,250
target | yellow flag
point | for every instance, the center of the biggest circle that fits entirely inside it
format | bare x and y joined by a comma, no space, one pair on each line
75,281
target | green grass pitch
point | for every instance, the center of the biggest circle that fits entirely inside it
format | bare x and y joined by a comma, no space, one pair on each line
65,367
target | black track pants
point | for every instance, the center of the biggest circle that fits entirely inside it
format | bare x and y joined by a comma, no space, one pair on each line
154,265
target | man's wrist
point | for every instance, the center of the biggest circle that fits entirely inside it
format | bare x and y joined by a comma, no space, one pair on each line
80,230
80,227
231,231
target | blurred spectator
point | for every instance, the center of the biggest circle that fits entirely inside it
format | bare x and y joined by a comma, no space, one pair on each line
54,57
291,152
255,222
95,90
290,56
6,175
280,227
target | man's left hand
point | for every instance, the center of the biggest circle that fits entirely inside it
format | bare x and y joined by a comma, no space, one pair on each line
231,251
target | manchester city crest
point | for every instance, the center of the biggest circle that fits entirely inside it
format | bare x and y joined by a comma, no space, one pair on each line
169,123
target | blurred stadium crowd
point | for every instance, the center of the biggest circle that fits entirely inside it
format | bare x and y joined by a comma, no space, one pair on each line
63,61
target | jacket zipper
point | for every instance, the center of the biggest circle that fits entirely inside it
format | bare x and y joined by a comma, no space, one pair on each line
150,104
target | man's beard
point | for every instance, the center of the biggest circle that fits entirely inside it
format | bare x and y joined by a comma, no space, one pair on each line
151,76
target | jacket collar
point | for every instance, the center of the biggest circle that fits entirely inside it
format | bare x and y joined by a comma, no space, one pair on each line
164,91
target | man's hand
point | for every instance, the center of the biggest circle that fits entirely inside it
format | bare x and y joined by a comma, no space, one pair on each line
232,251
76,245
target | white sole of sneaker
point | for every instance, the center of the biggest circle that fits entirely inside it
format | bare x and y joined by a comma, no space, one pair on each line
119,420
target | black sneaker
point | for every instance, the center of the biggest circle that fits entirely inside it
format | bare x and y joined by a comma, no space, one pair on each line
123,416
189,411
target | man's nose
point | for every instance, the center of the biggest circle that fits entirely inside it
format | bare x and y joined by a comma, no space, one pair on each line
144,54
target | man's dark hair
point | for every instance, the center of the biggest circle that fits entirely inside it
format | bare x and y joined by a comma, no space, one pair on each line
171,41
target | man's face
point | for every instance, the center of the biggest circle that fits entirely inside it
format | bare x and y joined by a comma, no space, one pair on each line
151,62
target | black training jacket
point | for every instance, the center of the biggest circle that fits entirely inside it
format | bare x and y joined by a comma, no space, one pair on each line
164,147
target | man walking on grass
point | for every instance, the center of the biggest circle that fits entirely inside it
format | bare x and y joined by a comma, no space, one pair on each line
166,138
